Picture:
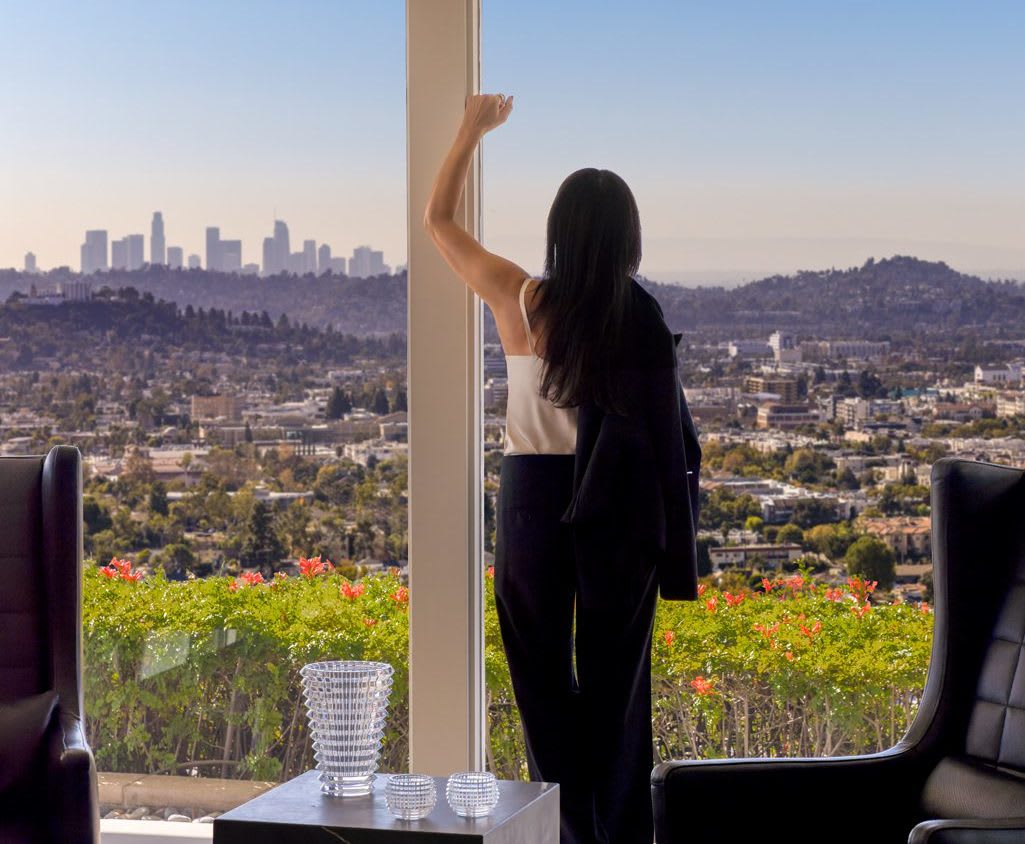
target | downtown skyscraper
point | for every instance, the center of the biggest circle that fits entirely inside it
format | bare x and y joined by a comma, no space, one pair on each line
157,254
94,252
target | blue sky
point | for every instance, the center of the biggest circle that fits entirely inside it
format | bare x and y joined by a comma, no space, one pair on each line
757,136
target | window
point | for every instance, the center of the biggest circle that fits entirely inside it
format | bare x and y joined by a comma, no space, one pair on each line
213,308
802,170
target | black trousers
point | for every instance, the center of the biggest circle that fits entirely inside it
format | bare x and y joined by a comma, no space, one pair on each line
589,731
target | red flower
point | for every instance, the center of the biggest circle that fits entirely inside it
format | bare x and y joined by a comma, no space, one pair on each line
400,595
734,600
310,568
924,607
712,604
369,622
861,588
702,686
489,571
767,584
233,586
862,611
352,591
795,583
766,631
701,589
121,569
251,578
789,655
834,595
669,636
813,631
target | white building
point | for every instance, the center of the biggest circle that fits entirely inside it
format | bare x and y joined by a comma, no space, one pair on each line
1009,374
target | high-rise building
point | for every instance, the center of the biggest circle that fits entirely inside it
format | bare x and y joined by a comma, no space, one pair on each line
359,263
230,256
295,263
250,269
309,257
213,249
365,262
136,246
338,266
194,261
30,262
119,254
269,262
94,252
156,239
324,259
282,249
174,257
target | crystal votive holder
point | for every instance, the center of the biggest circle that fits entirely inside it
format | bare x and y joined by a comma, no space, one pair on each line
472,794
410,796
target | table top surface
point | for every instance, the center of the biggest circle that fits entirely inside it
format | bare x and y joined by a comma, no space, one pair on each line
300,802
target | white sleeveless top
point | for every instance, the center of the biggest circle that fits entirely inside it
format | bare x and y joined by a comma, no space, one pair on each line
533,424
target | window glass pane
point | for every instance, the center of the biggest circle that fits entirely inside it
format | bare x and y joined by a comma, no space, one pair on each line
819,187
213,309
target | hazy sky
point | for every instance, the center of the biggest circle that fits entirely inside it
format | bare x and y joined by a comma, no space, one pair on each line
757,136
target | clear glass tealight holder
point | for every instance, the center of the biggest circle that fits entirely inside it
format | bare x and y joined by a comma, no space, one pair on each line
472,794
410,796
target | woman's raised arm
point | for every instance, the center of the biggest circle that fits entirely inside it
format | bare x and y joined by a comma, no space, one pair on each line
490,275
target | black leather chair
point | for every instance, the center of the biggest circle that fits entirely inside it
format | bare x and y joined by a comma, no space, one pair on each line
48,787
958,776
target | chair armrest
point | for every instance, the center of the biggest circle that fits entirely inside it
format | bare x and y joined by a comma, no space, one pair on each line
975,831
75,817
739,799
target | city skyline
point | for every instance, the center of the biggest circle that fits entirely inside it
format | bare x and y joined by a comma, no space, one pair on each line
757,138
221,255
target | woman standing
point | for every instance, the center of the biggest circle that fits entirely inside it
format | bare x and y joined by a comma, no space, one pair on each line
597,503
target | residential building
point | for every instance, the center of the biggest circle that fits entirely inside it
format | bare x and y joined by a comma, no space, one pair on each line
30,263
217,407
744,556
194,262
323,259
785,388
174,257
907,536
784,416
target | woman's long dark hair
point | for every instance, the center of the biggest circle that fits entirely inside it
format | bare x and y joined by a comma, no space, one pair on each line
583,302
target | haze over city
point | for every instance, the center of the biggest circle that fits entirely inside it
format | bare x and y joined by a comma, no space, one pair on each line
756,139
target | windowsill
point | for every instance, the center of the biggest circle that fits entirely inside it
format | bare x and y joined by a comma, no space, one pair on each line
153,832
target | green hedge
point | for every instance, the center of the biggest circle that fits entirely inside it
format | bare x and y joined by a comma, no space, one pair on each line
203,674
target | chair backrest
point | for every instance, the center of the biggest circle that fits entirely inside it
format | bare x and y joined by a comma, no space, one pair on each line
23,638
976,685
41,576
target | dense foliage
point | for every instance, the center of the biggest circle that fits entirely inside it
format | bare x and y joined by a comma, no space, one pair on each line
203,674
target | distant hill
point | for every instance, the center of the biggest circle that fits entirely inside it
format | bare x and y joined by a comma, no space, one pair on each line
892,296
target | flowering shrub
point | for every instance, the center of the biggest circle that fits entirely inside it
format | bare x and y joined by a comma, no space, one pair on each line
204,674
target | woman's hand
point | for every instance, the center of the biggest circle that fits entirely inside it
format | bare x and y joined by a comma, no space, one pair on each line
486,111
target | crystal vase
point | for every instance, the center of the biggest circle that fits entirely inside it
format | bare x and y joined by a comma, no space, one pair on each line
347,704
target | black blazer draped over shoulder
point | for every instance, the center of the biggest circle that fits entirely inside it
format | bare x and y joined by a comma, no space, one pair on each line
635,481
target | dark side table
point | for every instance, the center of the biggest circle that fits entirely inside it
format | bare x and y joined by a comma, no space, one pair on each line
297,813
